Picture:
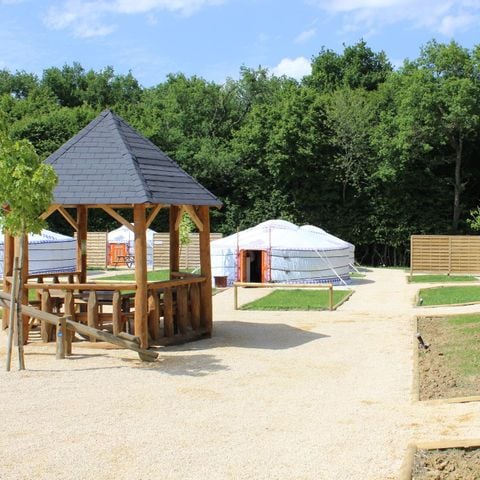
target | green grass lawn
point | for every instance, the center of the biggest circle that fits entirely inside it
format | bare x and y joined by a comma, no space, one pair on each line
154,276
296,299
449,295
441,278
463,350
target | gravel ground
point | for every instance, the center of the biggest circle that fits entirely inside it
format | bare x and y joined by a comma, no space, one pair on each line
273,395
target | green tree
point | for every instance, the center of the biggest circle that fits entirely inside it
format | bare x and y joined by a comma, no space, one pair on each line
357,67
26,191
437,101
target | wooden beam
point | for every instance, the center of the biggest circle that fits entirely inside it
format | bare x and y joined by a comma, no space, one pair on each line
206,320
193,215
178,221
174,239
82,221
141,294
48,212
117,216
153,214
68,218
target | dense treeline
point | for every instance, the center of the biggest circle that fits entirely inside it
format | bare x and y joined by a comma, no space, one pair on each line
369,153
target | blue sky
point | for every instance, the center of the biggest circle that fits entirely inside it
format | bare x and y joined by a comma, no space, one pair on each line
214,38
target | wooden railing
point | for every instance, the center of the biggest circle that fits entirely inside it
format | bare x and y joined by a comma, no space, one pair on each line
174,306
65,326
71,277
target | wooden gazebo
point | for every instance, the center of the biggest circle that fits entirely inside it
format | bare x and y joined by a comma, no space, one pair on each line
109,165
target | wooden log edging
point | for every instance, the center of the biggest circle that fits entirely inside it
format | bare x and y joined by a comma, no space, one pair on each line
406,470
51,319
286,285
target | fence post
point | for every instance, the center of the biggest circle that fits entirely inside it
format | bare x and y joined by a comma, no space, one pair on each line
449,255
61,338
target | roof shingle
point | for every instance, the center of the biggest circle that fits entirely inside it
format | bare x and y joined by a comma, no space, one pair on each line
111,161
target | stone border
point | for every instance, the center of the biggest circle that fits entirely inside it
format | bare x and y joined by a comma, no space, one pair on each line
416,374
406,470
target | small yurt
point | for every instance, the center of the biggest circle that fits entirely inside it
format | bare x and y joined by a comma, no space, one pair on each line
121,242
280,251
48,252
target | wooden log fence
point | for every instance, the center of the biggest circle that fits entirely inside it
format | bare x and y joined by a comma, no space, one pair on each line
65,323
236,285
173,307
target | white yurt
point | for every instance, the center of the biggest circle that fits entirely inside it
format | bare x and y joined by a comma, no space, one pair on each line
280,251
48,252
324,234
124,236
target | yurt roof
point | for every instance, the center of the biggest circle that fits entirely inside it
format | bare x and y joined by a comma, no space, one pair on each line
279,235
124,235
321,231
46,236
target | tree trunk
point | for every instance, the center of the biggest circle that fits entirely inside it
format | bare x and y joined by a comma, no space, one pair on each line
457,184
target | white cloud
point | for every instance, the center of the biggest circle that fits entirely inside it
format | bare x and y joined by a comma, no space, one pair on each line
293,67
305,36
439,16
451,23
86,18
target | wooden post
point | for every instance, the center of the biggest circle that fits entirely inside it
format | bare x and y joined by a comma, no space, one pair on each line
411,256
11,315
82,221
205,269
449,255
23,290
61,338
195,305
92,312
168,312
154,315
141,293
182,309
174,239
117,312
235,297
69,306
8,255
46,306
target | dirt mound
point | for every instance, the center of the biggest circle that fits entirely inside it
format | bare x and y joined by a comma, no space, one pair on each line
449,464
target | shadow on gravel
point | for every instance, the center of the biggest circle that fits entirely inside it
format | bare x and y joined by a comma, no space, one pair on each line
268,336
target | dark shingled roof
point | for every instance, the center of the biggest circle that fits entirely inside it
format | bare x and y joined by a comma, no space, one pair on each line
108,162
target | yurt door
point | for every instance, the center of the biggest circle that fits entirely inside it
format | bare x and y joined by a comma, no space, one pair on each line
266,270
251,263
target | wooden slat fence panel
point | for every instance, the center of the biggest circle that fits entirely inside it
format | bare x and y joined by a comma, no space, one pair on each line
97,249
189,254
445,253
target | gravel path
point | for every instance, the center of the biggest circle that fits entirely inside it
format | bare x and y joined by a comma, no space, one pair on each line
273,395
